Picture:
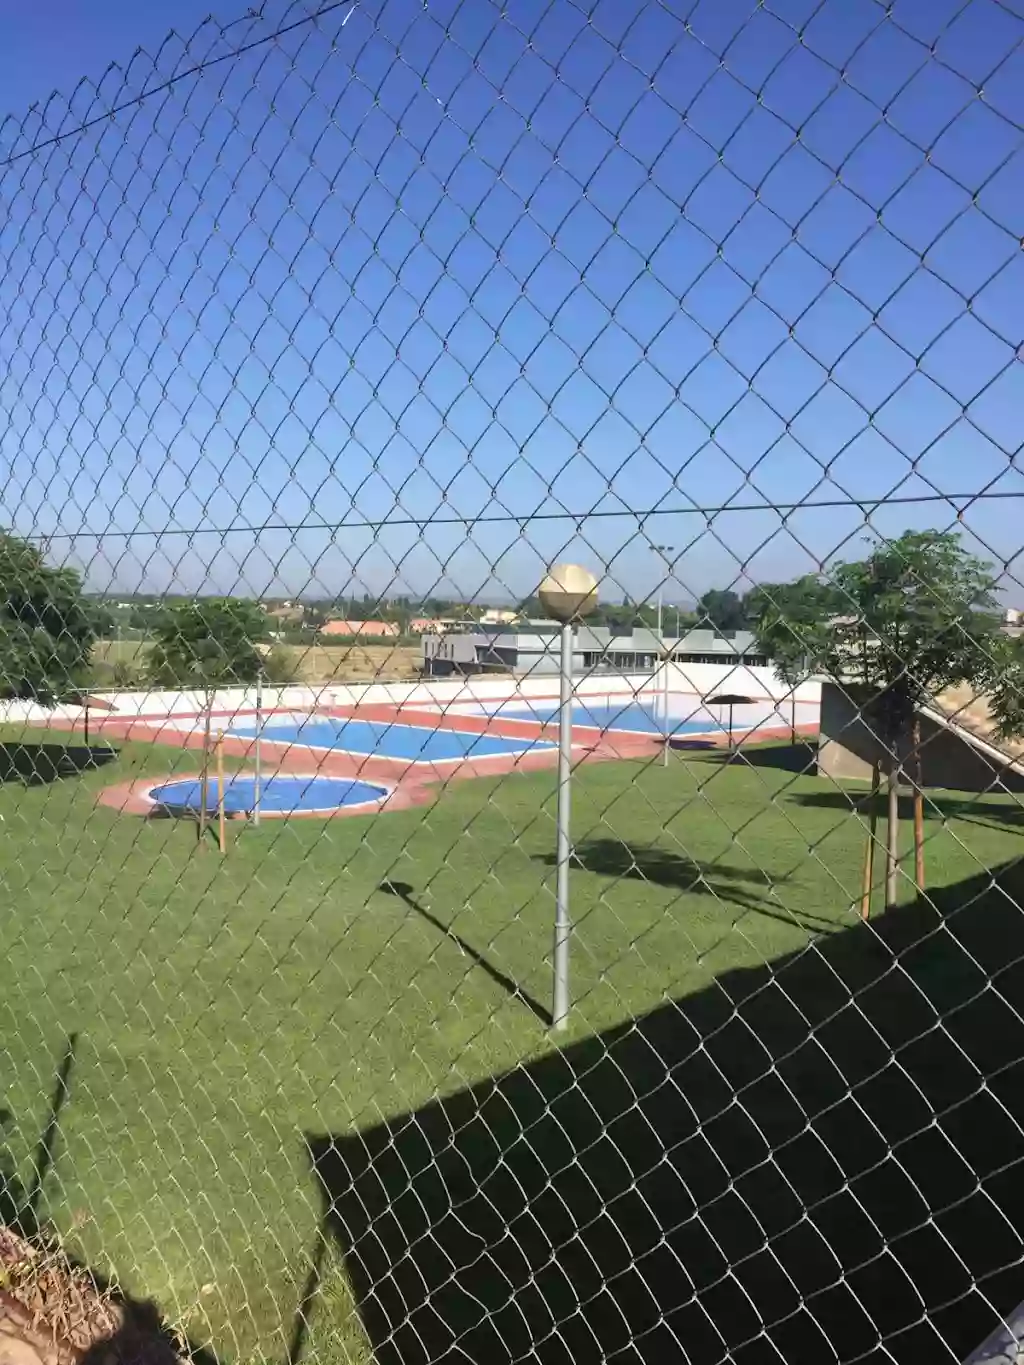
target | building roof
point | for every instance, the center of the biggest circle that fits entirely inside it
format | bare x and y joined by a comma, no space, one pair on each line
359,628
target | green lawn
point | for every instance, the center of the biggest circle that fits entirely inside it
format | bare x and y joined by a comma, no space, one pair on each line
223,1010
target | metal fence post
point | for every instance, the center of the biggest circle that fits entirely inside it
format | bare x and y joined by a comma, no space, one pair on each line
560,1001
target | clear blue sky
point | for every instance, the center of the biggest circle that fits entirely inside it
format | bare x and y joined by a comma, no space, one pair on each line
439,267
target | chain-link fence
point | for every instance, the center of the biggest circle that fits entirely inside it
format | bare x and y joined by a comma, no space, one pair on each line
325,334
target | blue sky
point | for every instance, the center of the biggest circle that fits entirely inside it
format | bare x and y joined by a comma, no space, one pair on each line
411,297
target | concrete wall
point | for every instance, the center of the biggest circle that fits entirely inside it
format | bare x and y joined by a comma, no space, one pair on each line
698,680
849,746
761,683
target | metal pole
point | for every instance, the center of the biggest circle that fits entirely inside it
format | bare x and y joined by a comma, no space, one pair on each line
256,749
664,693
222,839
659,616
204,780
560,998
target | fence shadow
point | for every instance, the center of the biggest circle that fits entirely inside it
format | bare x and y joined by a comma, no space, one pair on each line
36,764
822,1158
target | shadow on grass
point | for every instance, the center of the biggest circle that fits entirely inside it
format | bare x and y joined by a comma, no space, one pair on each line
37,765
405,893
19,1201
818,1159
788,758
610,857
997,813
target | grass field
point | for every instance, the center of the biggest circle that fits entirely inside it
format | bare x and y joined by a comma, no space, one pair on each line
350,662
231,1017
354,662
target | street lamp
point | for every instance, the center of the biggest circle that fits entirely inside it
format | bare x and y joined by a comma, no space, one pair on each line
257,784
663,552
567,594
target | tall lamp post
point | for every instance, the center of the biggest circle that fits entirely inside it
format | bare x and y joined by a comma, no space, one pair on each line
257,784
663,552
568,594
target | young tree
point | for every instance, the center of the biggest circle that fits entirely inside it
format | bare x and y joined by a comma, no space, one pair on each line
206,644
916,616
47,627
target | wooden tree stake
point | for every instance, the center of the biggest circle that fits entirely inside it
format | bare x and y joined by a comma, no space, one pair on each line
869,851
918,808
892,843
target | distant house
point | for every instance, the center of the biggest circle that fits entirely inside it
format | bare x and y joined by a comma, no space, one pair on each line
429,625
376,629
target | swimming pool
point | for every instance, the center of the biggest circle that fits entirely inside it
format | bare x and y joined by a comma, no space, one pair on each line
633,713
648,720
413,743
280,794
639,717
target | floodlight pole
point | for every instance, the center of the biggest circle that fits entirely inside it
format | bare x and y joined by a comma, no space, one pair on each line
663,552
560,1005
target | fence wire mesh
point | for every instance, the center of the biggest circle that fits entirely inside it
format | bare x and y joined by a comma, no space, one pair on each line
326,333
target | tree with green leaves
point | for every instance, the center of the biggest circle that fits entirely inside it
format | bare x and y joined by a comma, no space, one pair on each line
723,609
209,643
784,616
47,627
916,616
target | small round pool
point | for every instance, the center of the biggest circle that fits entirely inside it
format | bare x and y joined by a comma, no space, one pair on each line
280,794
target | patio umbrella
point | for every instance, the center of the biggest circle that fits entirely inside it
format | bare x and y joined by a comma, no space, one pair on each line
731,699
84,700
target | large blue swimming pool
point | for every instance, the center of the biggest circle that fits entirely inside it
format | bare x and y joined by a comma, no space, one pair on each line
648,720
414,743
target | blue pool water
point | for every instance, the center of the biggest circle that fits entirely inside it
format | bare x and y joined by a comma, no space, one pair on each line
617,716
278,793
416,743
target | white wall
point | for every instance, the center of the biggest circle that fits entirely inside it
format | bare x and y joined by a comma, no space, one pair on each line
705,680
763,684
